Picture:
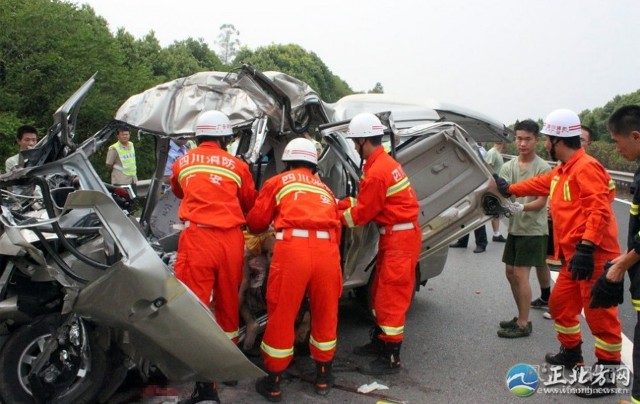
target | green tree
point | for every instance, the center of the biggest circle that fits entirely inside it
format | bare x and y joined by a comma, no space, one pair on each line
297,62
377,89
184,58
228,42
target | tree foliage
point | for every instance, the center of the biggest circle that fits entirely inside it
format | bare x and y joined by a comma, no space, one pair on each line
377,89
297,62
596,119
228,42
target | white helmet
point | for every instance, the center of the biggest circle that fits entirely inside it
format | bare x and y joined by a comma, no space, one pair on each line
561,123
365,124
300,149
213,123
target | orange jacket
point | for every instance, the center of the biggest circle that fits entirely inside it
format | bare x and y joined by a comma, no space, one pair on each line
294,199
215,187
580,195
386,195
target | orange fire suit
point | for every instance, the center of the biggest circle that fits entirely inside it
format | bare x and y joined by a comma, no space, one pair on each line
387,198
580,195
306,257
215,188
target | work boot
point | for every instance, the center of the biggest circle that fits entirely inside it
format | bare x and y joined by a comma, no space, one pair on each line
203,393
324,378
567,357
269,387
374,347
387,363
602,380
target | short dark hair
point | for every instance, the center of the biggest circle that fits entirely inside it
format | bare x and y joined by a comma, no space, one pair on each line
122,128
625,120
588,130
528,125
25,129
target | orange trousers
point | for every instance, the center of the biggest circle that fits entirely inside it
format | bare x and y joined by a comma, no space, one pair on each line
300,265
209,262
567,300
394,281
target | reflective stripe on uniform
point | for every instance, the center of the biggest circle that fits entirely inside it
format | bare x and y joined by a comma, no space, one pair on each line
635,400
348,218
275,352
612,185
633,210
567,330
398,186
392,330
232,334
566,192
297,187
210,170
552,187
636,304
323,346
608,347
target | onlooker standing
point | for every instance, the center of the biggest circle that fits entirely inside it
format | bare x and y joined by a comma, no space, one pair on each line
121,159
585,236
495,160
526,243
211,247
481,240
26,137
177,147
387,198
608,291
306,259
585,136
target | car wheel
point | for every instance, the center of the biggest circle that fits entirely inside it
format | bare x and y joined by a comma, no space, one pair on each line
21,350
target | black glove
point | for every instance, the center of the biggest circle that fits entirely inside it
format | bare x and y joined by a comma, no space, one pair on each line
604,293
581,264
503,185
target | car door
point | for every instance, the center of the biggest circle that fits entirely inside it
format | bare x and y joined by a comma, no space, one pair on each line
451,181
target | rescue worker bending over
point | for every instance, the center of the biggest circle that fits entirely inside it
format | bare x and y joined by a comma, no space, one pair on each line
585,237
306,257
387,198
216,189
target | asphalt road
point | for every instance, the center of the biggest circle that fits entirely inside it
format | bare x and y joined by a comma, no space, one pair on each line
451,351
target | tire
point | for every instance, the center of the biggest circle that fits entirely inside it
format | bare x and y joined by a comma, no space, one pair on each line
25,344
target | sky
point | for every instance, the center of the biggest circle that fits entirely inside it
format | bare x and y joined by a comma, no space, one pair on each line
509,59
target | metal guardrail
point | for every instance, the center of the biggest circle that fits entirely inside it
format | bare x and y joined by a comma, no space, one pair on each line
621,177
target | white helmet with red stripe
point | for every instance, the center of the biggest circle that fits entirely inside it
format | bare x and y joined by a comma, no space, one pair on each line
561,123
300,149
213,123
365,124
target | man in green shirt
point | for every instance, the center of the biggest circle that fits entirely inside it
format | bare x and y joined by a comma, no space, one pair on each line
526,244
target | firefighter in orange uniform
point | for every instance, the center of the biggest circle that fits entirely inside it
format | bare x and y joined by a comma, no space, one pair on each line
216,189
387,198
306,257
585,236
